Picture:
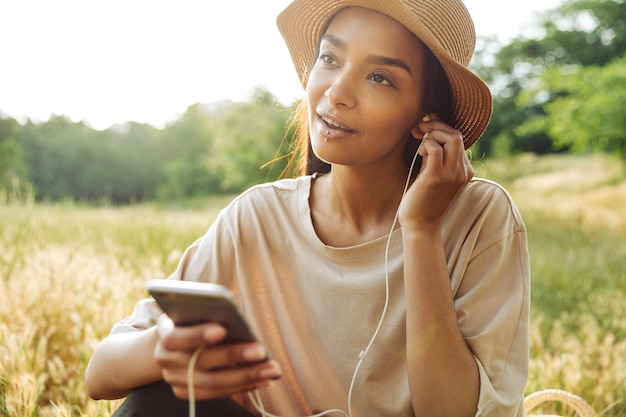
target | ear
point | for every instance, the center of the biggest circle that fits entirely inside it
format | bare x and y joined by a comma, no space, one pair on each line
417,132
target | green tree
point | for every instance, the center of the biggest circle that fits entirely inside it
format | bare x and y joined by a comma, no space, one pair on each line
212,148
12,166
187,142
579,32
583,107
51,152
248,136
71,160
130,166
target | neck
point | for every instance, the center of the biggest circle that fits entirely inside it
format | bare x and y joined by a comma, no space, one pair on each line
351,207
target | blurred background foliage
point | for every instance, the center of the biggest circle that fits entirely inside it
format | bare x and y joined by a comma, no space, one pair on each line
562,90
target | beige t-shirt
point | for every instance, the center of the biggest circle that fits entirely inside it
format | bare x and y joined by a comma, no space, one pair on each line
316,307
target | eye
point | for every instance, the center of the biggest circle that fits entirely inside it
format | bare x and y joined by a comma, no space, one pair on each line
380,79
327,59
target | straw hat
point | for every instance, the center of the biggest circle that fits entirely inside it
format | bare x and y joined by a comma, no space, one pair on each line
444,26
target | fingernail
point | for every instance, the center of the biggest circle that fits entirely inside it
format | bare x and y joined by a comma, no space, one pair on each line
271,372
214,333
254,353
426,118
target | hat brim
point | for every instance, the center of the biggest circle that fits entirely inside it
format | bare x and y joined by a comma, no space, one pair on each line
302,22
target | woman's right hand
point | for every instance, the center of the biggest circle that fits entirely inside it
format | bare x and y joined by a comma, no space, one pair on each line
221,370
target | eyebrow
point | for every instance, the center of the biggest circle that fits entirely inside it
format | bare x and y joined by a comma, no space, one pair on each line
373,59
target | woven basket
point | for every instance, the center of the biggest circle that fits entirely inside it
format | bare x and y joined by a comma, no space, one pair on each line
582,408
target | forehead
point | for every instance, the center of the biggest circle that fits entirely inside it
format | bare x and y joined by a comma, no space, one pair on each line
376,31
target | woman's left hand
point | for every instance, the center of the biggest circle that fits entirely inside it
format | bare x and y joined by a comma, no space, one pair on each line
445,171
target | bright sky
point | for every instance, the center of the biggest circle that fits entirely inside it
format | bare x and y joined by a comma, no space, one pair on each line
113,61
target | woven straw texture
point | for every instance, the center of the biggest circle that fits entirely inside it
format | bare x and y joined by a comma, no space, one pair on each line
576,403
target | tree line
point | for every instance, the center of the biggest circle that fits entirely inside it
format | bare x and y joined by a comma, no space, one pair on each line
561,91
221,147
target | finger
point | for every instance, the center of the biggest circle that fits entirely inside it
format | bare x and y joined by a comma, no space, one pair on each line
451,140
231,355
431,152
432,122
224,382
187,338
444,154
170,359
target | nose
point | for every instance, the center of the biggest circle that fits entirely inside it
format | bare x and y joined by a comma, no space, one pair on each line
341,90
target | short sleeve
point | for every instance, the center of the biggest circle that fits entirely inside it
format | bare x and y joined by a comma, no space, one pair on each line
492,302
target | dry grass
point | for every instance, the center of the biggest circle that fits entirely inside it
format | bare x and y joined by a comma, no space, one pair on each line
574,211
67,273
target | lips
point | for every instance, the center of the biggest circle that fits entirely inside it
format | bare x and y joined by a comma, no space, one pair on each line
332,127
334,124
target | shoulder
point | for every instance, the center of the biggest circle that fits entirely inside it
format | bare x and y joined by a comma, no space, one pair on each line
280,186
266,205
484,213
482,197
272,193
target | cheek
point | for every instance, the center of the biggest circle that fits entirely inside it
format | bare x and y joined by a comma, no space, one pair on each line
386,122
314,89
314,93
311,118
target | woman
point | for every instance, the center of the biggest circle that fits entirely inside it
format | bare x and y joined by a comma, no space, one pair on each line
430,307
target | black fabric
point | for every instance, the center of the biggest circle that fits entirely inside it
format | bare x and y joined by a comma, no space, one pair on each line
157,399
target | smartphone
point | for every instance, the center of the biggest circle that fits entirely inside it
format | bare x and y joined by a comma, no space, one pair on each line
188,303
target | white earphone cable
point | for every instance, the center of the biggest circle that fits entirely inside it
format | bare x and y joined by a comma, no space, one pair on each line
190,387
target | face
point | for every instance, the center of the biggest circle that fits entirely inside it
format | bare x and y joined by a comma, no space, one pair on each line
364,91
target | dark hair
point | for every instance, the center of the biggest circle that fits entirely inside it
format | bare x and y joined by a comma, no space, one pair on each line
437,99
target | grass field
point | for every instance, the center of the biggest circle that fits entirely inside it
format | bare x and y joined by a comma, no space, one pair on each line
68,272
